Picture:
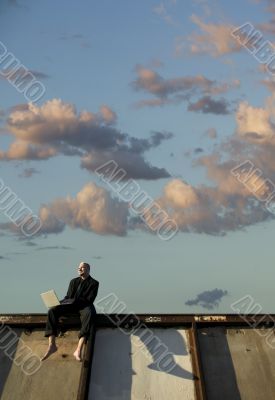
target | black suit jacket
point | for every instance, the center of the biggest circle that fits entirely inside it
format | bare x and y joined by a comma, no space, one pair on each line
87,294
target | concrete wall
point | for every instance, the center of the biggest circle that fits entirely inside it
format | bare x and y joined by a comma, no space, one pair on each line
125,368
238,363
55,378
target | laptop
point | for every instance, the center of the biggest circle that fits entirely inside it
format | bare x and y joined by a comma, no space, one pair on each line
50,299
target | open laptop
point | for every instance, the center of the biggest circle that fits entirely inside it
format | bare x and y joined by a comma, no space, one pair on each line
50,298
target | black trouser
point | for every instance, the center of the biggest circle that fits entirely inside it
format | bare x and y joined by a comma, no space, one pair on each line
87,318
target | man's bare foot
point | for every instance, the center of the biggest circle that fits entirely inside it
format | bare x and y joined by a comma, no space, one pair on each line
77,355
51,349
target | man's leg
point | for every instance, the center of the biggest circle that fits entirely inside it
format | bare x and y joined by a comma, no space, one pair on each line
77,353
52,348
87,317
52,321
51,326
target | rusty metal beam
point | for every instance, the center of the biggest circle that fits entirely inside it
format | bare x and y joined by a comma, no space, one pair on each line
196,363
157,320
83,389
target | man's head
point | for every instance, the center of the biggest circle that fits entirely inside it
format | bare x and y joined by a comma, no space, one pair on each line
83,270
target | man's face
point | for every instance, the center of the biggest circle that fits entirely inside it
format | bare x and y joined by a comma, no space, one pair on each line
83,270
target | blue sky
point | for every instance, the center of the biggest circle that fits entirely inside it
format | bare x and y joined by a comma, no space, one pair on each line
165,90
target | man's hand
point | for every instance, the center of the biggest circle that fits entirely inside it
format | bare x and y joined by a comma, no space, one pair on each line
67,301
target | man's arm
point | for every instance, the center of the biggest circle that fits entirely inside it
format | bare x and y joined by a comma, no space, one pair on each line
69,294
93,293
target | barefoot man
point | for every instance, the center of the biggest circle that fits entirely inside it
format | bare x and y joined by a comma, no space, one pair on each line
81,294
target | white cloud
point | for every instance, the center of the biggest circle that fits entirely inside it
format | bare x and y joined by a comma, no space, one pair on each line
214,39
93,209
55,127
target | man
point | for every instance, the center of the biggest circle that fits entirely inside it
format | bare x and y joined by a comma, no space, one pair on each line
80,296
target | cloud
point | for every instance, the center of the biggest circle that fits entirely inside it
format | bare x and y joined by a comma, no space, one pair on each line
214,210
21,71
54,248
223,205
134,165
20,150
214,39
30,244
162,12
93,209
108,115
39,74
208,299
56,128
180,194
270,84
130,161
207,105
255,123
211,133
227,204
19,107
57,122
219,205
156,63
175,90
28,172
78,38
269,27
49,224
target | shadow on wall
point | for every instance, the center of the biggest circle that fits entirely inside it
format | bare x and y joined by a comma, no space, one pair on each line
116,356
171,340
111,376
8,347
218,368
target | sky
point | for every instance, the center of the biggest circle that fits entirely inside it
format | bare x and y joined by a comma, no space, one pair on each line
176,98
